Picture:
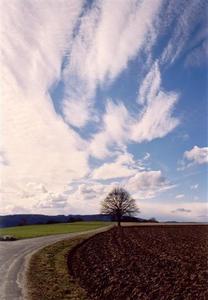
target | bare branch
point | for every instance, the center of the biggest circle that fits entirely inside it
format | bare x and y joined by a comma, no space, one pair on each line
119,203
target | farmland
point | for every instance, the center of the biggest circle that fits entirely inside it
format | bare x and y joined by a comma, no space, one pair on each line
155,262
30,231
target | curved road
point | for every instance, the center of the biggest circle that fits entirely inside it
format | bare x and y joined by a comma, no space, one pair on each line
14,258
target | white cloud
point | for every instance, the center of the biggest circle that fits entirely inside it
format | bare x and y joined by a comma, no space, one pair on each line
31,55
114,131
155,120
52,200
123,166
147,184
197,155
179,196
122,33
38,145
87,197
76,112
42,148
150,86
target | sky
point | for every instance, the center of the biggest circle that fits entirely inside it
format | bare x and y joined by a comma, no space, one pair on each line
104,93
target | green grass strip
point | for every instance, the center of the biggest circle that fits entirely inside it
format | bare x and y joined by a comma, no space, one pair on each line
48,277
30,231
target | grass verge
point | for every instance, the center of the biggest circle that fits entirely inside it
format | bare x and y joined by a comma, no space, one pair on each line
47,276
30,231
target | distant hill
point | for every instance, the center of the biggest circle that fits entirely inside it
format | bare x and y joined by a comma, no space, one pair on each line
31,219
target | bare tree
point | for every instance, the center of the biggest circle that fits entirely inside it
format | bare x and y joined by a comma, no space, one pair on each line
119,203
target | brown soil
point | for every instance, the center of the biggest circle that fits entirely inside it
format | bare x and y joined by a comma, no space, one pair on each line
144,263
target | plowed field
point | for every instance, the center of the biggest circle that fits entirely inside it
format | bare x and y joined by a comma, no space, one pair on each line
161,262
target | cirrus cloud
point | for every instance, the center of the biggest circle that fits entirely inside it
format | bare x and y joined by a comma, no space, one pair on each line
106,39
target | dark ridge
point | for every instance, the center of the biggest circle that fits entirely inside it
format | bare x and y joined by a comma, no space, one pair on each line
33,219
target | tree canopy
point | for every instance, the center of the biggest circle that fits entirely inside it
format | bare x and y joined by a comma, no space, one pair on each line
119,203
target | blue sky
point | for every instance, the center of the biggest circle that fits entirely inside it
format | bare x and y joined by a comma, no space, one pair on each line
104,93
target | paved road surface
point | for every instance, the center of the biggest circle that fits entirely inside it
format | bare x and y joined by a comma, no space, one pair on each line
14,257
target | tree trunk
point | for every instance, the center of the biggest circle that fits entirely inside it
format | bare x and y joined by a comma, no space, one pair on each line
119,220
